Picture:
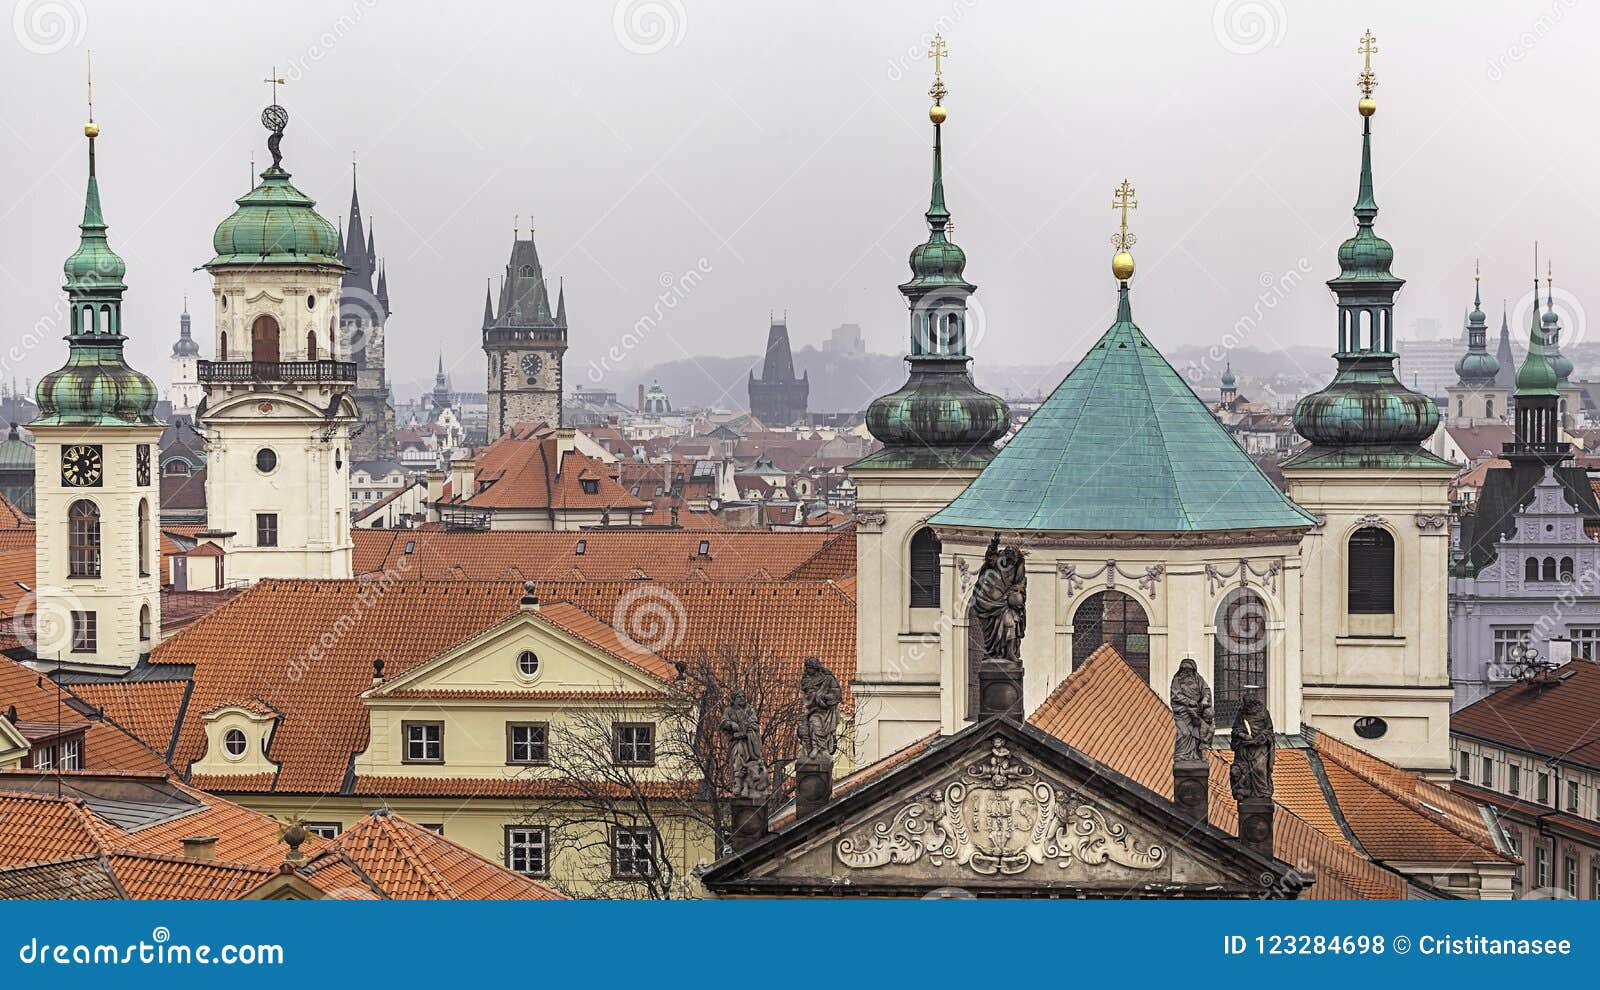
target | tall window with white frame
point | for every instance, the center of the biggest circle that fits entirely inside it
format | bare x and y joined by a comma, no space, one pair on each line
1504,639
1585,641
83,539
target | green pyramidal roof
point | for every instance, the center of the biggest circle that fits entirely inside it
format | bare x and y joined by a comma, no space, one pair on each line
1122,445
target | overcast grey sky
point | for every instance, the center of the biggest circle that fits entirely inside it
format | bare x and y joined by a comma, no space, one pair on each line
783,150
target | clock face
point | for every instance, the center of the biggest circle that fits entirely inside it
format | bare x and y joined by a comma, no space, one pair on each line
142,465
531,363
82,466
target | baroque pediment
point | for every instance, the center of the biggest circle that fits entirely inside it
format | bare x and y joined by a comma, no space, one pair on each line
1001,809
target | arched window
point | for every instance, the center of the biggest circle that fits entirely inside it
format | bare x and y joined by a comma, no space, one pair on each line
144,623
144,537
925,569
1567,570
1530,572
175,468
1548,571
1461,405
264,339
1239,653
311,345
526,272
1117,619
1371,578
1488,408
222,346
83,539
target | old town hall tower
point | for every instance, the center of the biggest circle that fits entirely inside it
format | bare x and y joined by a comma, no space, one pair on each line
525,341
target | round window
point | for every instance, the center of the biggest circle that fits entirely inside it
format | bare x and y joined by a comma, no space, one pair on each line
311,300
528,663
266,460
234,743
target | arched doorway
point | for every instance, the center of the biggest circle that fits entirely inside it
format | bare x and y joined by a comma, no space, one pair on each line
1116,619
264,339
1239,653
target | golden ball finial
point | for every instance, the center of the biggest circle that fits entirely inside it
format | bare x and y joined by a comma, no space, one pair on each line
1122,266
937,113
1368,106
91,129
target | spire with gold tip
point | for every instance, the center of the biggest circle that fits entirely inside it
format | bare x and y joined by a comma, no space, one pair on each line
1122,262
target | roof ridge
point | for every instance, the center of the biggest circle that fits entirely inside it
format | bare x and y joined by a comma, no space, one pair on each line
413,854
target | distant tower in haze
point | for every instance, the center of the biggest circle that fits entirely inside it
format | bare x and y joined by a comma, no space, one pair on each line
525,343
778,398
186,391
363,316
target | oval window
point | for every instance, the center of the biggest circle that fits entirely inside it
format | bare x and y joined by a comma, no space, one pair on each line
528,663
233,741
311,300
1371,727
266,460
224,302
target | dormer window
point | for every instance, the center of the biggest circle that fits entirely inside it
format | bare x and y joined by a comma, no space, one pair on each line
581,548
235,744
705,548
591,486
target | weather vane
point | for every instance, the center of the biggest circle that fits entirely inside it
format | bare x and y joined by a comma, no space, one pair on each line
275,118
1367,81
938,52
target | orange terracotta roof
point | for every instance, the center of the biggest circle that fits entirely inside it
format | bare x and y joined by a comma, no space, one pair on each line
1552,717
35,831
17,575
17,539
517,473
146,876
105,745
148,710
81,878
409,862
621,553
835,560
12,517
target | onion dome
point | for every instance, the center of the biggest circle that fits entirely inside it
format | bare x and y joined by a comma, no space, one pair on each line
1228,379
1365,417
186,346
1536,377
938,417
275,222
1477,366
96,386
1560,363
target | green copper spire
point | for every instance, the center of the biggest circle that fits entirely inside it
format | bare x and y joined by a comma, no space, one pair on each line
1477,366
1552,329
275,222
96,386
1536,376
938,418
1365,417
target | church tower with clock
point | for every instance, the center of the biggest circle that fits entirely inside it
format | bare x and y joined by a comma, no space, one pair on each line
98,581
525,340
278,408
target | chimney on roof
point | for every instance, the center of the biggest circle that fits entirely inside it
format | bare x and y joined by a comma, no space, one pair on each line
461,478
530,597
1560,653
200,847
377,672
11,714
435,485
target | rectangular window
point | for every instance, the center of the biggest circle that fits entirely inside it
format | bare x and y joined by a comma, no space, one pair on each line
424,742
634,744
323,830
1594,880
528,850
1541,867
43,758
85,632
1585,641
633,853
1544,788
1504,640
1572,796
83,540
1488,771
266,529
1465,773
1513,779
70,754
527,742
1569,874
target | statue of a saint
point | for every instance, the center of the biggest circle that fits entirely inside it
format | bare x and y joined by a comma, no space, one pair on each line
747,762
819,729
1192,720
1253,741
1000,601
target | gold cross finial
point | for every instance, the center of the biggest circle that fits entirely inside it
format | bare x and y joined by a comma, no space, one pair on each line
516,225
276,81
938,51
1123,200
91,130
1367,81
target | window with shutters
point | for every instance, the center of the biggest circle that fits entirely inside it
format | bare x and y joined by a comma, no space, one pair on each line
925,551
1371,559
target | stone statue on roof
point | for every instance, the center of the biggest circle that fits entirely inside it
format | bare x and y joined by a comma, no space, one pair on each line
1000,602
747,763
1253,741
819,730
1192,720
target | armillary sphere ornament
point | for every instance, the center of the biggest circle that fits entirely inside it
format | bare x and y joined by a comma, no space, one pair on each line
275,118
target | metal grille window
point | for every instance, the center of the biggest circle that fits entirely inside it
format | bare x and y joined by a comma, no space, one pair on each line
634,744
528,850
83,539
925,549
1371,577
1115,619
1239,653
633,853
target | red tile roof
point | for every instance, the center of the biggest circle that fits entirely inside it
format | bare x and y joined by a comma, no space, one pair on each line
409,862
147,710
105,746
517,473
1555,716
12,517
